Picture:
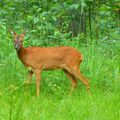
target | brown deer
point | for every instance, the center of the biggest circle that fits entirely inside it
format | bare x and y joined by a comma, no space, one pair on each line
37,59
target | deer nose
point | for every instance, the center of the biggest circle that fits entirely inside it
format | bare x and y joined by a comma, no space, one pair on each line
16,46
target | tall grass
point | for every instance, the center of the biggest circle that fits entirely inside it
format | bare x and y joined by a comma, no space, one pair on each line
101,65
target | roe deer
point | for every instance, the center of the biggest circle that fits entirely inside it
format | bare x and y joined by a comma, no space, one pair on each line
37,59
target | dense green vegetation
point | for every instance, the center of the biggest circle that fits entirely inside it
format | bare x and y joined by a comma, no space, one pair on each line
91,26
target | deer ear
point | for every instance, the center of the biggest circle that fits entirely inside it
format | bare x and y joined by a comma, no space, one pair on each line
13,33
22,35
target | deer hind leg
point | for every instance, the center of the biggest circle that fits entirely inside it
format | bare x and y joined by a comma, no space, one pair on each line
28,81
80,76
77,74
38,78
72,79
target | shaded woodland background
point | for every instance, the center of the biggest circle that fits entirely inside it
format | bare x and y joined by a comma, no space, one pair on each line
56,20
92,27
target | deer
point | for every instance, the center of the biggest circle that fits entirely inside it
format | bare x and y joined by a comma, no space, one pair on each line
36,59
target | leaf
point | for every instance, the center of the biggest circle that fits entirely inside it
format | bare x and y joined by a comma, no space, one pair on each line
36,20
2,28
74,6
38,10
30,17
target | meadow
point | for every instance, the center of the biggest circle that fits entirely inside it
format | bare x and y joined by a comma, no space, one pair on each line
101,66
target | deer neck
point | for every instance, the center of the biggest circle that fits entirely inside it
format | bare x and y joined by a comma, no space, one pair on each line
21,53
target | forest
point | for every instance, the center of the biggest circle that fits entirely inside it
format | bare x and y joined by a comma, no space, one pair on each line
90,26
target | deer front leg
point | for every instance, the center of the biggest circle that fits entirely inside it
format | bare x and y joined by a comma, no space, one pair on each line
38,78
28,81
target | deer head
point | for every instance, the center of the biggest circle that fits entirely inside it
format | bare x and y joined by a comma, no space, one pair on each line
18,40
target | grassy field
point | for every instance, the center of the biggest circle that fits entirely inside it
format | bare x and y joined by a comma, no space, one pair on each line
101,65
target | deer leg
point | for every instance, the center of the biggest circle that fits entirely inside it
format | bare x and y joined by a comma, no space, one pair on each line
38,78
84,80
77,74
30,74
72,79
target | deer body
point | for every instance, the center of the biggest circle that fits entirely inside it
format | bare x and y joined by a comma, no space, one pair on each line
37,59
49,58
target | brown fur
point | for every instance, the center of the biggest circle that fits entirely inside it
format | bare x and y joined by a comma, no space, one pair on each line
39,58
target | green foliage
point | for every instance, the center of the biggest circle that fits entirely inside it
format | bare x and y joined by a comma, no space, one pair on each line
101,65
51,23
42,19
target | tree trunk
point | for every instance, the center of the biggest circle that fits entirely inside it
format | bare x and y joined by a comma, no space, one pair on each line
89,19
83,22
97,20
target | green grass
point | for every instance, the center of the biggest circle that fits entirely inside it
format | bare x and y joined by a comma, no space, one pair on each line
101,65
101,106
